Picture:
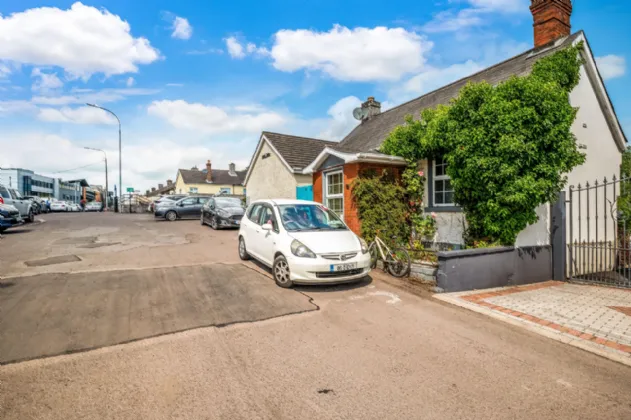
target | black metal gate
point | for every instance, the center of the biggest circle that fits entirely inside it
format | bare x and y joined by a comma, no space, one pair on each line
598,233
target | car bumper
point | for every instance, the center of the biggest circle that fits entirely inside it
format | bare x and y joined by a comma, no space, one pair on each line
229,222
318,270
159,213
7,221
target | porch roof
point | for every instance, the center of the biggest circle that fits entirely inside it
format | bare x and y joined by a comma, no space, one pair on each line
352,157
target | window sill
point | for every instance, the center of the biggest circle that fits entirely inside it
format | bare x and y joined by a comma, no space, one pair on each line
443,209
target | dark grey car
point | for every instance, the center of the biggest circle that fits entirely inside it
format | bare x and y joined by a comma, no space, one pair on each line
220,212
185,208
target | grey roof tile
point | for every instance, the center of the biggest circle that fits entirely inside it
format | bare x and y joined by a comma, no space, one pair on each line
371,133
298,152
219,176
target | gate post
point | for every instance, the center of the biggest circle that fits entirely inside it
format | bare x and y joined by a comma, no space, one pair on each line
558,238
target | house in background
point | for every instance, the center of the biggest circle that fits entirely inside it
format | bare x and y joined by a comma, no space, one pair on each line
276,168
596,127
210,181
155,193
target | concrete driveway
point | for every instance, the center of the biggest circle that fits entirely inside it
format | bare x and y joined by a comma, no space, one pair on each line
369,351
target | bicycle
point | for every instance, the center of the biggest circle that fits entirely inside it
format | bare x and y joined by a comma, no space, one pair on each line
396,262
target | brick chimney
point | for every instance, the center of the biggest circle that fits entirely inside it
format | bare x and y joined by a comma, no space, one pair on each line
209,171
232,170
169,182
160,186
551,20
372,106
153,189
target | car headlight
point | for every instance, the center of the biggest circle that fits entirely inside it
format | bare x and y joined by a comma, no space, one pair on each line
364,245
300,250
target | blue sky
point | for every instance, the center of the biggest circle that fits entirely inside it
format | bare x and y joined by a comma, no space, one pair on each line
193,80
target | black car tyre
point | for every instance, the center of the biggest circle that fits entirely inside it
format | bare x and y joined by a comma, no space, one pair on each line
243,251
213,223
281,272
171,216
201,219
31,216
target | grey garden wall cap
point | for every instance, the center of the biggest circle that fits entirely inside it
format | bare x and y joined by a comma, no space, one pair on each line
463,253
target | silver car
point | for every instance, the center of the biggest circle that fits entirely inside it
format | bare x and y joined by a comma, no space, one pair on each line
15,199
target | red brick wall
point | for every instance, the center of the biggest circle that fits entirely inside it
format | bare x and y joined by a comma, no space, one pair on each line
351,171
551,20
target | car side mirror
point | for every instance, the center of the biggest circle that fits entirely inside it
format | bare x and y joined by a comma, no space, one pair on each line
267,226
180,204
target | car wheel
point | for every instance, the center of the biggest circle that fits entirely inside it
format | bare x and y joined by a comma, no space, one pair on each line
243,251
201,219
171,216
213,223
281,272
31,216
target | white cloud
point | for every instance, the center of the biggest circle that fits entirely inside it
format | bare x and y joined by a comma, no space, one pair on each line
83,40
212,119
206,51
181,28
235,49
5,70
130,82
45,82
87,95
342,120
175,84
611,66
476,15
16,106
360,54
81,115
144,165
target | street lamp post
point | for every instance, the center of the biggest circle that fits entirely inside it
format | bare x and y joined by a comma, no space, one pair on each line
120,159
106,183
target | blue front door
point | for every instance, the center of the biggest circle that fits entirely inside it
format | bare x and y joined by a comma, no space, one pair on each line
305,192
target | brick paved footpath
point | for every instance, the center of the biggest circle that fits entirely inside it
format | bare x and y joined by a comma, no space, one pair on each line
594,318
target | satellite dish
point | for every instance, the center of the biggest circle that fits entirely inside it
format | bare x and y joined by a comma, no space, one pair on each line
359,113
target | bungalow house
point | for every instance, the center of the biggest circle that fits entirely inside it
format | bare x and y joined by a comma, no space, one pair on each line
210,181
276,168
596,127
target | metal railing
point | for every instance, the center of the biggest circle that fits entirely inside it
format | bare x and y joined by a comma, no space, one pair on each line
599,248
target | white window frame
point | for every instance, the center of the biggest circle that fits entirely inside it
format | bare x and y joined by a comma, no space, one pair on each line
325,191
435,178
193,190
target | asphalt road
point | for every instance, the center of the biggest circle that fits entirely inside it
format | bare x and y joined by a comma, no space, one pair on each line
369,351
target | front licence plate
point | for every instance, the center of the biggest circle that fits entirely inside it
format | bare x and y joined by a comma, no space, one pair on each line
343,267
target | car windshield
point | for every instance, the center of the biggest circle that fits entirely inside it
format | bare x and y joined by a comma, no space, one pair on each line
300,217
223,202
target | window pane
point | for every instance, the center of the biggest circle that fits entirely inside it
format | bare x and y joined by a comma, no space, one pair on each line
449,198
439,186
336,205
335,184
439,170
439,198
448,185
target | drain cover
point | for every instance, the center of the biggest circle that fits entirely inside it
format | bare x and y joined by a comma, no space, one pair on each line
53,260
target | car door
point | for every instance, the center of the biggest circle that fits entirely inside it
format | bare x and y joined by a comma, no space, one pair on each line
206,210
251,230
19,203
267,238
201,202
187,207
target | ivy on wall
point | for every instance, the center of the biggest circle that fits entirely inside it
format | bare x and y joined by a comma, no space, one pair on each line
507,146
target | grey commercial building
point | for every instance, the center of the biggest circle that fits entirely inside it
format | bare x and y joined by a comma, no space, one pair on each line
27,182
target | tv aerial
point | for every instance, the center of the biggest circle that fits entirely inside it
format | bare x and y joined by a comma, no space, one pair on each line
360,113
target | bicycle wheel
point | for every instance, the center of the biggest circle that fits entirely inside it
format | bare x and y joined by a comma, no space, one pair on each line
374,255
398,262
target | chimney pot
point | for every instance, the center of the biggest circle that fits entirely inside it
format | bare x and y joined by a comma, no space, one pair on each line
209,172
551,20
169,182
160,186
232,171
153,189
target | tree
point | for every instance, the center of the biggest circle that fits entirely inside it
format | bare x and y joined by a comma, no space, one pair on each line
507,146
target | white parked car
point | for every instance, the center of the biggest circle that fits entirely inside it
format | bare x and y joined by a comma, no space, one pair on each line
59,206
303,242
93,206
74,207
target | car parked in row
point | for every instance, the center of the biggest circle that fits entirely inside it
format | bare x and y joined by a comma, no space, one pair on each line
15,199
222,212
9,217
185,208
57,206
93,206
303,242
